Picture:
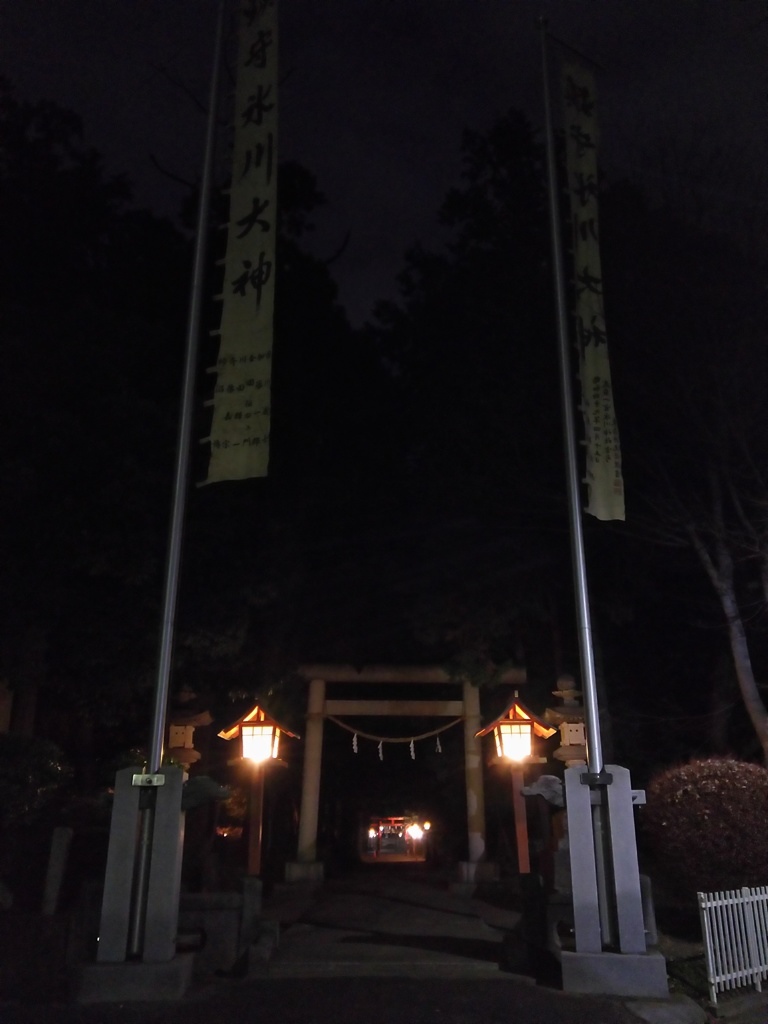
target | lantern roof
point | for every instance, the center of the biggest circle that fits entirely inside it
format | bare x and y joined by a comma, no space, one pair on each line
254,714
516,711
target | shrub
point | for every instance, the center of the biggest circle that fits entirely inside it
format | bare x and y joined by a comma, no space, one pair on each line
32,774
707,823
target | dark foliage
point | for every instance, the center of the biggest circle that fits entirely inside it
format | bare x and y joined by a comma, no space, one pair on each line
707,822
33,772
472,341
92,307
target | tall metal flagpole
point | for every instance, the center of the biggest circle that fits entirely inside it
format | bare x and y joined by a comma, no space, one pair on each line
589,682
186,415
181,479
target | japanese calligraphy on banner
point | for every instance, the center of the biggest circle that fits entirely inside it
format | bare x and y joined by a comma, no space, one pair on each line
605,486
239,436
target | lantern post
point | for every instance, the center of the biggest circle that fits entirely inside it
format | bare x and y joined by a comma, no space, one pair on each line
513,732
259,736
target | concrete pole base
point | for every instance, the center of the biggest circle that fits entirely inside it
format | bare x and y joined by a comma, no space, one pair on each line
615,974
135,981
304,871
478,871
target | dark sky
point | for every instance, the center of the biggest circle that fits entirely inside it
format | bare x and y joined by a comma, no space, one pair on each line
376,94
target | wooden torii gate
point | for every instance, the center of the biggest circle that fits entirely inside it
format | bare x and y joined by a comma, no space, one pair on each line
306,867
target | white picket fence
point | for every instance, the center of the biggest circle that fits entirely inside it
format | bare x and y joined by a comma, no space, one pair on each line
734,926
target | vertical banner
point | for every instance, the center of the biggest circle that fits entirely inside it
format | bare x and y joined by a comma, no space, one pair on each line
239,436
605,486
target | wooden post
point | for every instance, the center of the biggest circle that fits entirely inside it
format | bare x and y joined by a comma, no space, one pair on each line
521,820
256,820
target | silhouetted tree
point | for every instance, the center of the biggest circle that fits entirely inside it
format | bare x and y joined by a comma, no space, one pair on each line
90,298
689,311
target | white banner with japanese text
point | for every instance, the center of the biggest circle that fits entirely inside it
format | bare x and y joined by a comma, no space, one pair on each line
240,425
605,485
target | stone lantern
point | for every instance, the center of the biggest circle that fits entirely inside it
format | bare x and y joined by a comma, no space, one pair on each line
569,719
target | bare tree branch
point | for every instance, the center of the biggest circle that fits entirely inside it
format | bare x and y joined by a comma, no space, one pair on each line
169,174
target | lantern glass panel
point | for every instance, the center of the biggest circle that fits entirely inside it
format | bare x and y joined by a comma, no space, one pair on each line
513,740
260,741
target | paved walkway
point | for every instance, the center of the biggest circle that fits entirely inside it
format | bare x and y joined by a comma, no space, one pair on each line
382,922
398,922
382,947
390,923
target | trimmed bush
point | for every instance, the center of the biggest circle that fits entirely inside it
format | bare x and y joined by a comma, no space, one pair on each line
707,823
32,774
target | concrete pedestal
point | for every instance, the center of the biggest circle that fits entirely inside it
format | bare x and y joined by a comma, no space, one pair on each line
161,902
603,854
224,924
478,871
304,871
135,981
615,974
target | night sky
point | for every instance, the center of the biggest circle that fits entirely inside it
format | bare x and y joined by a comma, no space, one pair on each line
415,508
374,98
376,93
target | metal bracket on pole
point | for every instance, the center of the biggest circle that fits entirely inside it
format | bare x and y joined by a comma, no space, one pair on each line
147,781
601,778
597,796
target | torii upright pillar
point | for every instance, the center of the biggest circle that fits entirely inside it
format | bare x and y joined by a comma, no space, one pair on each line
470,869
306,867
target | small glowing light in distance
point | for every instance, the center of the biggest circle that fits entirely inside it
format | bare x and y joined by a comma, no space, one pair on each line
372,833
427,826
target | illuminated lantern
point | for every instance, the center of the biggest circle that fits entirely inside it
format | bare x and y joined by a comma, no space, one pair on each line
260,739
513,732
513,740
259,735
